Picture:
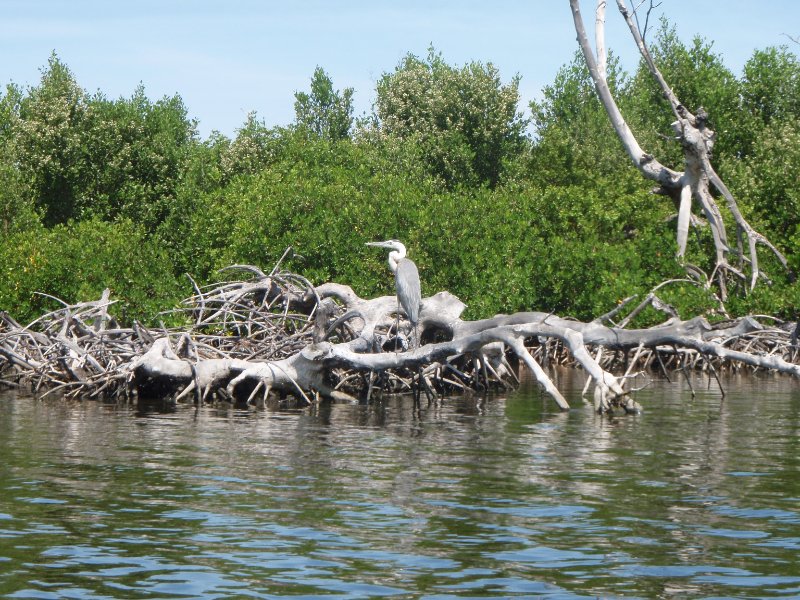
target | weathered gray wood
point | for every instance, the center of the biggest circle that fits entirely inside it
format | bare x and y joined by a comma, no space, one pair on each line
278,335
697,141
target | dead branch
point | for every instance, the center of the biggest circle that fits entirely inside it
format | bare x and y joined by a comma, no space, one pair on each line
276,336
696,138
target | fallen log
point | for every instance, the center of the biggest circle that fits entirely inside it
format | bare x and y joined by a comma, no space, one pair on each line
275,335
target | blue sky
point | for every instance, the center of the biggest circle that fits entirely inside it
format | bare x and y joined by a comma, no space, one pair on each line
226,59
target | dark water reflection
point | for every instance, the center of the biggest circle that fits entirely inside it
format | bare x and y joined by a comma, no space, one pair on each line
470,498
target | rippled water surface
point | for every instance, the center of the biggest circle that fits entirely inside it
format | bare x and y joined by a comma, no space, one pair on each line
501,496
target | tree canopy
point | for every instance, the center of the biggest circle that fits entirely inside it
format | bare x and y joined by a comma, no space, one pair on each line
509,209
466,121
324,112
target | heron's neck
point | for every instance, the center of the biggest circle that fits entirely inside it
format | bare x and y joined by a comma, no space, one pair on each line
394,258
397,254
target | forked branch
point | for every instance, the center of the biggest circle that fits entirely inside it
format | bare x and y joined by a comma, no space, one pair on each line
698,177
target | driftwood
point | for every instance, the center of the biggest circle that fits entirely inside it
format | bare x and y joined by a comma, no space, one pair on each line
272,336
698,181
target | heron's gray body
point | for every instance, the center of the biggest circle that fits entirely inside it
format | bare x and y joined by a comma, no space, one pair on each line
406,282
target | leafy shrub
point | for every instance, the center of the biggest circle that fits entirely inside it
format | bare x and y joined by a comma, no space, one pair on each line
466,122
76,262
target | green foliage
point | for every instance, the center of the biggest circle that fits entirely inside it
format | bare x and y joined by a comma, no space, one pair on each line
17,210
91,157
324,198
699,78
134,155
493,248
48,143
767,182
575,140
465,120
99,193
76,262
324,112
770,89
756,119
771,85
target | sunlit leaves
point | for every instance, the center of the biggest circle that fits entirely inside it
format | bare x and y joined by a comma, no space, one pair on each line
86,156
324,112
557,221
466,121
77,262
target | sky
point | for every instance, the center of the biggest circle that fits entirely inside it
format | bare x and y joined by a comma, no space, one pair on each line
227,59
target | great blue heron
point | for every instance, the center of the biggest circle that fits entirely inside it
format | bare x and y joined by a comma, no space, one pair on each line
406,279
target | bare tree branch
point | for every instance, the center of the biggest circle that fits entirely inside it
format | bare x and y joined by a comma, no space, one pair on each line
696,139
649,166
251,341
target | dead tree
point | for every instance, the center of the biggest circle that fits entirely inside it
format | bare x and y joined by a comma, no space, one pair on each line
266,336
698,180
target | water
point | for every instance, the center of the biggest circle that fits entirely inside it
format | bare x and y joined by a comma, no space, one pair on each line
499,497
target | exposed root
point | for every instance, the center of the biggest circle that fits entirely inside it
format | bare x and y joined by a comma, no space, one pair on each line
276,337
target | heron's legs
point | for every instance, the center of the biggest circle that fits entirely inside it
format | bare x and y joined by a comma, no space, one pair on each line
397,325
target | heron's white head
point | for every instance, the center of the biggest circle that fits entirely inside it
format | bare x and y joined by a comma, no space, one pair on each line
398,251
395,245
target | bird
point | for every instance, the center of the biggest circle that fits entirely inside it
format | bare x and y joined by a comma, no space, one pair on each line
406,279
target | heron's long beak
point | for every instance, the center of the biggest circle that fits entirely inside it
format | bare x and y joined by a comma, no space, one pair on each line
378,244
